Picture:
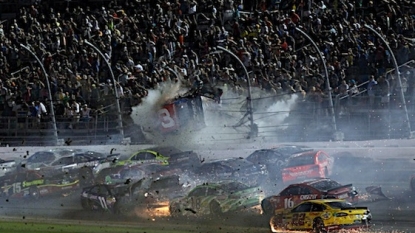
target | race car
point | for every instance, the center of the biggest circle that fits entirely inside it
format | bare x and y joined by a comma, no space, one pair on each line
77,163
216,199
230,169
34,184
308,190
127,173
306,165
182,114
274,159
145,195
45,158
157,155
323,215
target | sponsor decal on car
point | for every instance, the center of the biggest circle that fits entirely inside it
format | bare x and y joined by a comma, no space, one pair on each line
308,197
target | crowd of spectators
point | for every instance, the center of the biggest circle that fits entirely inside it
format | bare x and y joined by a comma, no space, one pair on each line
151,42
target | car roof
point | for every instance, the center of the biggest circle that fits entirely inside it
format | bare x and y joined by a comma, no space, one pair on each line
315,180
229,161
163,150
305,153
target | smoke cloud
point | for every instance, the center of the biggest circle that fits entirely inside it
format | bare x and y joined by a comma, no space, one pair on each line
225,122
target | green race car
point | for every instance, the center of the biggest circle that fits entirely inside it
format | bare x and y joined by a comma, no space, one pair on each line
164,156
217,199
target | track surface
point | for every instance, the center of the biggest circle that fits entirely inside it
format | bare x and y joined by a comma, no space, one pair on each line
391,172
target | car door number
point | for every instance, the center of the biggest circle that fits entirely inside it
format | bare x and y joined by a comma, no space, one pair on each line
298,219
16,188
167,120
195,203
288,203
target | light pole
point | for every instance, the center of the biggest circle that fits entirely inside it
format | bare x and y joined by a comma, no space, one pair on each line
253,132
52,110
395,63
117,96
338,136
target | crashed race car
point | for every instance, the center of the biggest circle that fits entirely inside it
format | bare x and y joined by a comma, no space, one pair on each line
322,188
216,199
308,190
323,215
274,159
162,156
181,114
236,169
308,165
73,162
34,184
146,195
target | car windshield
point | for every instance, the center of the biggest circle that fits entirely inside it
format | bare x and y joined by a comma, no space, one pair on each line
166,151
301,160
339,204
41,157
289,150
325,184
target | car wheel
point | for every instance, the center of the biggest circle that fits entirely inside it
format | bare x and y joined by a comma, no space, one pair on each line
318,226
412,184
266,207
174,210
34,193
215,208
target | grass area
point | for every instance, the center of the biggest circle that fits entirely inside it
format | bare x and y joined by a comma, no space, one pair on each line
33,226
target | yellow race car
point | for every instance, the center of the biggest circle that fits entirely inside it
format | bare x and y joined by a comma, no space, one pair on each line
322,215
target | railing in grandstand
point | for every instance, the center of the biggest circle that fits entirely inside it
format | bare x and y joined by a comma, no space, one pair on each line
24,129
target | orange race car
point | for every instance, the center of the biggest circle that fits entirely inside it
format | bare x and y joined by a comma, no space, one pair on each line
306,165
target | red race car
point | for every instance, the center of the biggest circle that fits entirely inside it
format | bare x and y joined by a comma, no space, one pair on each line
307,165
308,190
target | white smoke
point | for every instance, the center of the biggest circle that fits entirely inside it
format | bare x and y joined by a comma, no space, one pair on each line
145,114
225,122
274,116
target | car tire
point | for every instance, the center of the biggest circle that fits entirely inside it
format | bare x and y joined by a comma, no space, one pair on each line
215,208
266,207
318,226
174,210
412,184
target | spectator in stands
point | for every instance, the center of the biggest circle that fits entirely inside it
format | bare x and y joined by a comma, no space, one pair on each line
140,40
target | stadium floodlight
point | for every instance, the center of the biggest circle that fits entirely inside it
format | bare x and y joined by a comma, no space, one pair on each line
52,110
117,95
